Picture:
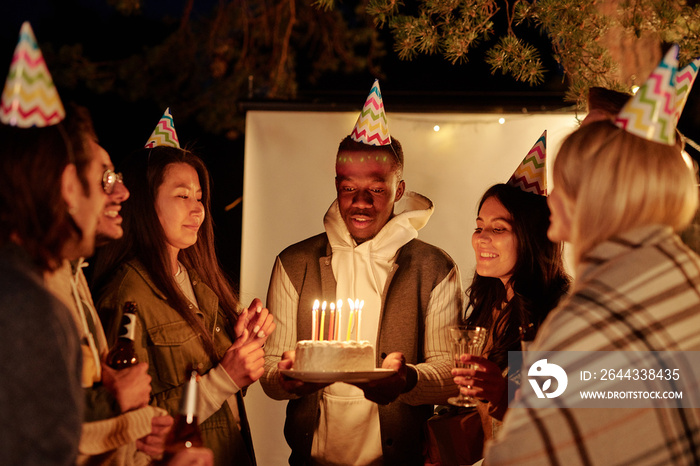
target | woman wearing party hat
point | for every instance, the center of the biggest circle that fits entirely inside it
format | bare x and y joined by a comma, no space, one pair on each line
188,315
519,278
621,189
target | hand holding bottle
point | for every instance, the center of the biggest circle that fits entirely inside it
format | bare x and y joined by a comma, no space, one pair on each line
123,353
131,387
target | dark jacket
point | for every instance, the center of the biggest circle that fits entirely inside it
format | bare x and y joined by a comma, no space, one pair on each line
41,399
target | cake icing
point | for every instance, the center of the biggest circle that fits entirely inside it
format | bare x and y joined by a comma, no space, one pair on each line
334,356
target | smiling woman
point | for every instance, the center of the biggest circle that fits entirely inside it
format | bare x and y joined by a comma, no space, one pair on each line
519,278
494,243
188,313
179,208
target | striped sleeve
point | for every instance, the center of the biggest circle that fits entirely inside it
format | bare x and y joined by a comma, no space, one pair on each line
283,302
435,382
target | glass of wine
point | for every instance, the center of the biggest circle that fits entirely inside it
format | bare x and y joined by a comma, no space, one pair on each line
466,339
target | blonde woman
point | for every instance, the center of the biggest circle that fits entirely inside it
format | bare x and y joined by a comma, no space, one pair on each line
618,199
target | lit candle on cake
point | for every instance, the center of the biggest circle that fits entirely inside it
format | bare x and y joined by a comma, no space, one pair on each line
359,319
352,307
336,329
331,323
323,320
314,319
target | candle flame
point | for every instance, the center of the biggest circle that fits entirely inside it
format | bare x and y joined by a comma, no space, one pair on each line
316,304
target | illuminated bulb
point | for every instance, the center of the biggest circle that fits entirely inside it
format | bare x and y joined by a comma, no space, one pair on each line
501,120
436,128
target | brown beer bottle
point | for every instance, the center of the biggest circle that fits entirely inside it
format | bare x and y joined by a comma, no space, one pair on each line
123,354
185,432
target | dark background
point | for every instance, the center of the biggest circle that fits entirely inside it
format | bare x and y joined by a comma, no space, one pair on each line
427,83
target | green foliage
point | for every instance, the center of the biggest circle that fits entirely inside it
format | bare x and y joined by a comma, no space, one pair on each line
575,29
513,57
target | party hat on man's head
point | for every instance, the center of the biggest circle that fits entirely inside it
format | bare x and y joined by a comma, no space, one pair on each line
164,134
650,113
30,97
531,174
371,127
684,82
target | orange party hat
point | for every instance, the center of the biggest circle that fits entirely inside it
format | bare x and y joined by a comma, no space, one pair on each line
651,112
371,127
531,174
29,98
164,134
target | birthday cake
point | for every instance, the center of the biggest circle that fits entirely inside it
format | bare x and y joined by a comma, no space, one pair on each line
334,356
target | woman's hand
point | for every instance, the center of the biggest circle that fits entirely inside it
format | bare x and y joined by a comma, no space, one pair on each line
257,320
243,360
485,382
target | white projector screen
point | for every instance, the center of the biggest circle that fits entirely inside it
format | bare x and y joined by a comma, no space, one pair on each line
289,185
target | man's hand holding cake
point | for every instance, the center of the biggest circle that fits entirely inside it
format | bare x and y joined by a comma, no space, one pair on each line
384,391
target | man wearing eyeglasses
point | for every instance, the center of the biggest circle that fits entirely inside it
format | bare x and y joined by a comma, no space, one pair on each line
119,426
109,224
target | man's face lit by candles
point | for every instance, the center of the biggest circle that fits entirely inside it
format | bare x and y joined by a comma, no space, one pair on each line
368,185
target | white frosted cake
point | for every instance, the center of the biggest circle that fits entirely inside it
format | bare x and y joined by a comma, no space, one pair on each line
334,356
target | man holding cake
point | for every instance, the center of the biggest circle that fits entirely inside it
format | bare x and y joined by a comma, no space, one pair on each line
411,292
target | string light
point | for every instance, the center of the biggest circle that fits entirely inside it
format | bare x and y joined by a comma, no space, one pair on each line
501,120
436,128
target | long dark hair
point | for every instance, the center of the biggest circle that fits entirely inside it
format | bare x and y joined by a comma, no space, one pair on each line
538,280
32,161
144,238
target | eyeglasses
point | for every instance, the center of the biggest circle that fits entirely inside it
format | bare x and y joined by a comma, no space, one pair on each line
110,180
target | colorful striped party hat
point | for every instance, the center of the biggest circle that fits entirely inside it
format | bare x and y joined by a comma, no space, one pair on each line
371,127
531,174
164,134
684,82
651,112
29,98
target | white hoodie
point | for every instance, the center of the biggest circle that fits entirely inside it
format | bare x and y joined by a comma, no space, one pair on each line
348,431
